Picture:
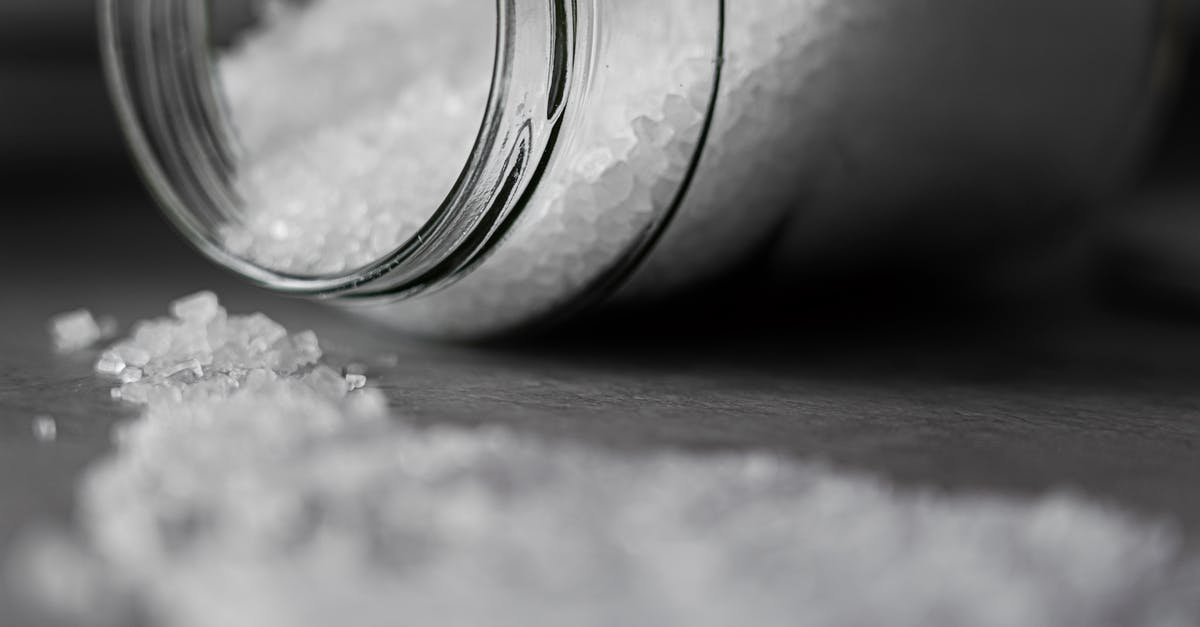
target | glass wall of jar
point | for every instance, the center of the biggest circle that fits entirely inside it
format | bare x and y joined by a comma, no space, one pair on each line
466,168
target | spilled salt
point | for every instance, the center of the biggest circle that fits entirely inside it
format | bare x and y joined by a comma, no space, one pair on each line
261,488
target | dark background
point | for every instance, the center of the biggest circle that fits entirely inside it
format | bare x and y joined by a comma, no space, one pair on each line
55,123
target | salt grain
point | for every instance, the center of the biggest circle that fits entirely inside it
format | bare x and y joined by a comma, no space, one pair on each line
131,374
133,356
75,330
189,366
197,308
110,363
45,429
327,381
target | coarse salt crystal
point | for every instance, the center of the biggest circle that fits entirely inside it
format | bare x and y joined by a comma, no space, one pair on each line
110,363
75,330
45,429
262,332
132,355
198,308
131,374
189,366
327,381
308,341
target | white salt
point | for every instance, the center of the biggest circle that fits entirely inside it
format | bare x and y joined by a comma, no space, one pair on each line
131,374
199,308
110,363
186,366
327,381
45,429
346,155
133,356
307,342
74,331
333,185
246,496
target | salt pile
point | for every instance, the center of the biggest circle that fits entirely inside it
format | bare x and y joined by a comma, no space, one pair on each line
202,353
346,156
258,489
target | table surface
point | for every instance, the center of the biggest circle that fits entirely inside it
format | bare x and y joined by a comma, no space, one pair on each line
1082,400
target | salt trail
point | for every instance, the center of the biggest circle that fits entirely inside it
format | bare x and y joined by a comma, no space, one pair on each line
259,488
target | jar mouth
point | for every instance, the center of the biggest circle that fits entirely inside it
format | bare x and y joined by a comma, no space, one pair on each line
163,74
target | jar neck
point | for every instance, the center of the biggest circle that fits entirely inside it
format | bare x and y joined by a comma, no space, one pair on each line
548,57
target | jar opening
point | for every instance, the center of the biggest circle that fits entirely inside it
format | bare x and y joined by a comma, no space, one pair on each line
338,147
354,120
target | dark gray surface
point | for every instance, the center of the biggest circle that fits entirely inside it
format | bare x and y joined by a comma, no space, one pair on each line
1072,398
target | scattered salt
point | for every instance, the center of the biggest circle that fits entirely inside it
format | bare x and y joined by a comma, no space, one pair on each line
327,381
307,341
133,356
74,331
131,374
189,365
288,499
296,352
45,429
110,363
199,308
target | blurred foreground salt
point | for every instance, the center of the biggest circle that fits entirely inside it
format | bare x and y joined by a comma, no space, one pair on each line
77,330
259,488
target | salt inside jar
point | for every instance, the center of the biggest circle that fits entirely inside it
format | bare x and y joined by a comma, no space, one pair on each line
463,168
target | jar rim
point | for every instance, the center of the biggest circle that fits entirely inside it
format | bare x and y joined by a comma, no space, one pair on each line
159,67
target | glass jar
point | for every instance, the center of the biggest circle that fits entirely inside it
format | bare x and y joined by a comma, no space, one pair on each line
622,149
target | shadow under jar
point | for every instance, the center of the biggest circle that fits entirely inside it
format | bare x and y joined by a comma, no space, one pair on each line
464,168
